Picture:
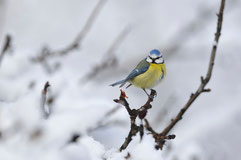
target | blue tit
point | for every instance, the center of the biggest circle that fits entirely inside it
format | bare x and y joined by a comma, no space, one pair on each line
148,73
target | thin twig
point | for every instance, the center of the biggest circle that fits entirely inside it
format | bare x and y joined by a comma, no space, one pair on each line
188,30
193,27
43,100
75,44
6,46
159,139
100,123
204,81
110,60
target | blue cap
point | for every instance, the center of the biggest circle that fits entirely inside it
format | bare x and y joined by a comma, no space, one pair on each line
155,53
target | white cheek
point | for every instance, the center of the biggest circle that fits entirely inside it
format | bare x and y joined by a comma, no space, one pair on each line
148,60
160,60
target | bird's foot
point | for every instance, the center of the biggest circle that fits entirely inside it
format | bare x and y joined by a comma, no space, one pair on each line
153,93
151,97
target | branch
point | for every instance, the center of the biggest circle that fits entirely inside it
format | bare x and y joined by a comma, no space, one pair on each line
110,59
133,113
101,123
43,100
159,138
204,81
188,30
6,46
46,52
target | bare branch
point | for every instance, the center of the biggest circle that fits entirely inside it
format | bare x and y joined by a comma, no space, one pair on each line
159,138
133,113
90,21
110,60
47,53
6,46
188,30
100,123
204,81
193,27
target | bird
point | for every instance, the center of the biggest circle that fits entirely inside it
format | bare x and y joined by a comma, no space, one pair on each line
147,74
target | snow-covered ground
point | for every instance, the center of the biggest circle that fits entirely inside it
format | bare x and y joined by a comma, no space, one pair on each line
210,129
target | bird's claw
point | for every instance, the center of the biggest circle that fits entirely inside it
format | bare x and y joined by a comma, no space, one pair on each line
151,97
153,93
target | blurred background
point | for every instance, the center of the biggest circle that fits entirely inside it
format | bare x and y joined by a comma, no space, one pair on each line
82,46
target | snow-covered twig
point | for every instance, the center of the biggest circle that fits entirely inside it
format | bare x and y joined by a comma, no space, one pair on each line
204,81
6,46
43,100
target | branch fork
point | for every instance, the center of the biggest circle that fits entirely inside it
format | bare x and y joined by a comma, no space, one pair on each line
133,113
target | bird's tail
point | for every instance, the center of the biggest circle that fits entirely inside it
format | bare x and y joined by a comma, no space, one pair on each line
122,82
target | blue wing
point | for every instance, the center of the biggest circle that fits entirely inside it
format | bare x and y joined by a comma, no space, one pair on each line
116,83
141,68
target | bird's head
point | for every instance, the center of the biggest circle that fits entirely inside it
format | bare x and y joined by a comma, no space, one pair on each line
155,56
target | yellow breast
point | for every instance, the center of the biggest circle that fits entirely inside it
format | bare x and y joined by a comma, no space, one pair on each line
149,79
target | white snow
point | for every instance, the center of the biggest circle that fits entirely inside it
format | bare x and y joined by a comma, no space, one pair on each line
210,129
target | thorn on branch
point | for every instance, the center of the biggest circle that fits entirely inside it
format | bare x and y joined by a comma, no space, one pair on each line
191,95
172,136
206,90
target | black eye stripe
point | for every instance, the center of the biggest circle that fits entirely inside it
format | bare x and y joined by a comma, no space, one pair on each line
155,58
